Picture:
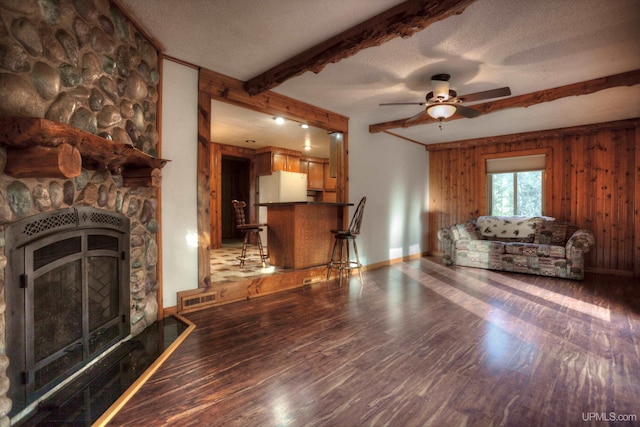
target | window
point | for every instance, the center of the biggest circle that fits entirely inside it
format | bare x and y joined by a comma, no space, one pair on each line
515,185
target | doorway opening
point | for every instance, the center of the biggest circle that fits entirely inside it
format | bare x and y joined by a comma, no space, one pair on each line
236,185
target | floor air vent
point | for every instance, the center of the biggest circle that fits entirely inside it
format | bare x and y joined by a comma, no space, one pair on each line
310,280
202,300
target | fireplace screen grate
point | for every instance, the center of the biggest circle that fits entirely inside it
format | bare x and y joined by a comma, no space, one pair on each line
105,218
50,223
68,295
57,321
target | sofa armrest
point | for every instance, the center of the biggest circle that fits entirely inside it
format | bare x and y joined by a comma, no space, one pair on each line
580,243
445,235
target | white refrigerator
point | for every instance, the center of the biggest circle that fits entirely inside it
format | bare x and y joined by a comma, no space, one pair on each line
280,186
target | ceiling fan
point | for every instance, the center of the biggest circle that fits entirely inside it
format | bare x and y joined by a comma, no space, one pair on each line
443,102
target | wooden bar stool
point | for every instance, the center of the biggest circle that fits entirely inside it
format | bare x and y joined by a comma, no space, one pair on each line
248,229
342,238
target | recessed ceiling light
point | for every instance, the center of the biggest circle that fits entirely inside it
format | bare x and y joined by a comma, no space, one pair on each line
304,126
279,120
250,141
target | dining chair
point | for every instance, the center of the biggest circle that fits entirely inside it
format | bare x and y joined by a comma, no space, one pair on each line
248,230
343,261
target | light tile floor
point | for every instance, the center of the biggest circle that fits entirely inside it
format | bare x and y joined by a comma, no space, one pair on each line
225,266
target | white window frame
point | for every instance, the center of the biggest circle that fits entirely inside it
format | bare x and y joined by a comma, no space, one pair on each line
514,164
515,190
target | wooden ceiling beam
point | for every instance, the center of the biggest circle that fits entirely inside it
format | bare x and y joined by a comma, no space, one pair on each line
629,78
227,89
402,20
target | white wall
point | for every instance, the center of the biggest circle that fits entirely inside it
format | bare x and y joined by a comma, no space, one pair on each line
394,175
179,180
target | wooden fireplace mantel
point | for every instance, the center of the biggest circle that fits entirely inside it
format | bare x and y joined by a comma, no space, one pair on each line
41,148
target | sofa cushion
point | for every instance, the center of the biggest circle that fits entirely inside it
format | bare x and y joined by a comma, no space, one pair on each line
554,232
480,246
532,249
478,259
466,230
553,267
509,228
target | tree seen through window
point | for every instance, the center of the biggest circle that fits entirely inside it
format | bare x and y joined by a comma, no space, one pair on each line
516,193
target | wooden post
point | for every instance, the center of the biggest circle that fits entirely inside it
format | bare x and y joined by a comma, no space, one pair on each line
61,161
204,189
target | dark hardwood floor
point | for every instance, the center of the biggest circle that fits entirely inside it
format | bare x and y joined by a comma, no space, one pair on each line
421,344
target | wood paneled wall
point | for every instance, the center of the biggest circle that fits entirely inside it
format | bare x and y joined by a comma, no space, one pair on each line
593,180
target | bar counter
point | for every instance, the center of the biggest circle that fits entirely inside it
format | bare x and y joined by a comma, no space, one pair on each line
298,233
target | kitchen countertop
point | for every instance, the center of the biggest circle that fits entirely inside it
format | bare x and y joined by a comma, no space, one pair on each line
303,203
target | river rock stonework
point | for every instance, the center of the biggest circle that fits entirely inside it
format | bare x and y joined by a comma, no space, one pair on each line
26,197
81,62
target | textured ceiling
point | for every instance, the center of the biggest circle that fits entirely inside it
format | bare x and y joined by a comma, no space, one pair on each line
249,129
528,45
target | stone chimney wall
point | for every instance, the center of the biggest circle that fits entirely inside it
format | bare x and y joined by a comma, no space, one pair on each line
83,63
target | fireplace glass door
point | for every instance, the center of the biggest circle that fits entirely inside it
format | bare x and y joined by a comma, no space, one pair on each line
72,304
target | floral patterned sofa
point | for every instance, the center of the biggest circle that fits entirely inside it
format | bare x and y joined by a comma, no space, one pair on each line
534,245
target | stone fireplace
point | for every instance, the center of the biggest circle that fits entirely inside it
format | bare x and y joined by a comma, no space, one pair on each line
95,189
78,135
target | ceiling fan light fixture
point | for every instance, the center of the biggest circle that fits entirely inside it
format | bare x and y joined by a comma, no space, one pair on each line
440,86
441,111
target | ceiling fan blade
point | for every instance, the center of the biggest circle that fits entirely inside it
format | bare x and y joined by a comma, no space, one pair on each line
493,93
417,116
467,112
403,103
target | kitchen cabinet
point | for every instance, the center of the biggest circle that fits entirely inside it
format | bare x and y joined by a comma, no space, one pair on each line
329,196
285,162
329,182
270,159
314,169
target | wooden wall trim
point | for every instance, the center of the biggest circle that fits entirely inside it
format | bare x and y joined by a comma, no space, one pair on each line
636,207
232,150
160,278
215,199
218,151
227,89
180,61
527,136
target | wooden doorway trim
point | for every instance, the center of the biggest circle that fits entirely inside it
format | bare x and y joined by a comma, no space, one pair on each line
215,86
